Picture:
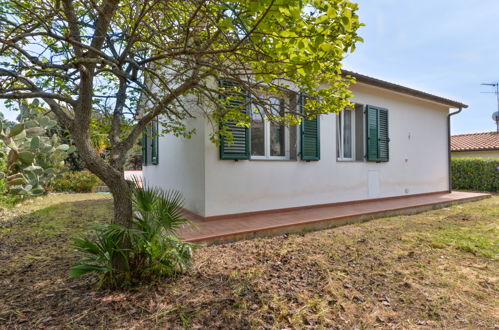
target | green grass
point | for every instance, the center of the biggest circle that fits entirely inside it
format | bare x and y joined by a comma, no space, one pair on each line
57,214
469,228
480,240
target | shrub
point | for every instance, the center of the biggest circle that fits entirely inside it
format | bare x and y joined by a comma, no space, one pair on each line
479,174
35,153
153,249
5,199
3,166
81,182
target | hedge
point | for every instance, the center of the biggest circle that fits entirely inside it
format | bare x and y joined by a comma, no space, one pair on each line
79,181
478,174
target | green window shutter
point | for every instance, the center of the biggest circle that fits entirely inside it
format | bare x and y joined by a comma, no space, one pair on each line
154,142
144,147
377,138
150,152
372,134
383,137
310,134
239,148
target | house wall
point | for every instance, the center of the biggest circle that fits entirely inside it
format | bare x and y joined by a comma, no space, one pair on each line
418,164
481,154
181,166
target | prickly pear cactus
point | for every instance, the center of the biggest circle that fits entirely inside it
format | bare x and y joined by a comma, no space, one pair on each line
34,157
3,165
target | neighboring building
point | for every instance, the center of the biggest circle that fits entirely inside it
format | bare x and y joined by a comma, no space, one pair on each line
394,142
485,145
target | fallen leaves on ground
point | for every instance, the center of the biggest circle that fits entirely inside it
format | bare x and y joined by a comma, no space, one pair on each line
399,272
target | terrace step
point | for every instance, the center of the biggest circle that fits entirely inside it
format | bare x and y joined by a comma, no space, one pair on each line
246,226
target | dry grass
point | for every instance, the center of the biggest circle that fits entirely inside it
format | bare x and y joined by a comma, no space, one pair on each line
434,269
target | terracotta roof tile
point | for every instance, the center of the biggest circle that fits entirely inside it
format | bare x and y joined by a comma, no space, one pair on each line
476,141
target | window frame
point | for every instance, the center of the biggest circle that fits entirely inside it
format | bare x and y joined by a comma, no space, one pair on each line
340,136
266,137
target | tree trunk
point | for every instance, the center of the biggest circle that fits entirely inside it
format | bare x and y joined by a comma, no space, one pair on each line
114,178
123,213
121,191
111,174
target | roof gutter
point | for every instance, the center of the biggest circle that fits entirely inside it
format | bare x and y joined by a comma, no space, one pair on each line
449,146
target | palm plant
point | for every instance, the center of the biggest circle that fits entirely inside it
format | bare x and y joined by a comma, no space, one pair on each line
154,248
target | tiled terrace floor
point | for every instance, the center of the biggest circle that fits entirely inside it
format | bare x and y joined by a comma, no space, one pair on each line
289,221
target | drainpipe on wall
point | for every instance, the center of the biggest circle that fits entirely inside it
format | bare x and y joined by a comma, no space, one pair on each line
449,145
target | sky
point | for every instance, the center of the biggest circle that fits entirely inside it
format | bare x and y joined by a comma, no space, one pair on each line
445,47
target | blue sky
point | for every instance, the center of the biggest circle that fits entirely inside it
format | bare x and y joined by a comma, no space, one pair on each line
445,47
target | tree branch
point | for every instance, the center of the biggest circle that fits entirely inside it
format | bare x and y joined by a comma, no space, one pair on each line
73,24
29,95
33,59
188,84
106,12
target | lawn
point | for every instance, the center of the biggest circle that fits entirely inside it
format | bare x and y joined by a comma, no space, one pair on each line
434,269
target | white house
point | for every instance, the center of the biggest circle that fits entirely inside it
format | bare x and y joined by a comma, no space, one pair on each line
394,142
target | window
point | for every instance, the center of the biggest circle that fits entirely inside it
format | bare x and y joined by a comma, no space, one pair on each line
345,135
350,134
264,139
269,140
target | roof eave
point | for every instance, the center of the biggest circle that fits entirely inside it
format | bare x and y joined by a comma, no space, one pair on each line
402,89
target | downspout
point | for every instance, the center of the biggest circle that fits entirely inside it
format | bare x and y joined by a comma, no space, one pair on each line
449,146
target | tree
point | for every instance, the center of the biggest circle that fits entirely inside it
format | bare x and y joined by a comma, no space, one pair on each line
83,57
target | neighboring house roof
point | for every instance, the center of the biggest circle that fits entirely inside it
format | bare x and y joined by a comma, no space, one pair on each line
475,142
402,89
